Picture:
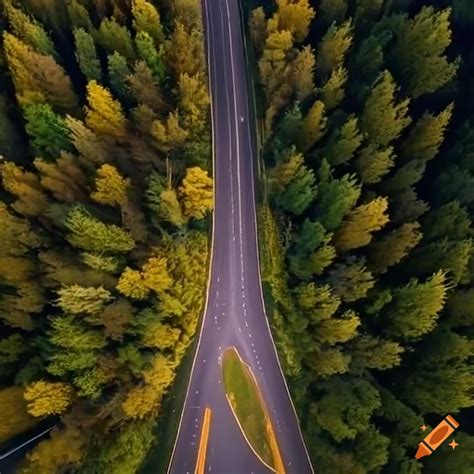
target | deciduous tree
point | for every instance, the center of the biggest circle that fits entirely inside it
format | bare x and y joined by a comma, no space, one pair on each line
18,419
295,17
47,398
169,135
163,201
132,284
196,192
64,178
185,52
31,201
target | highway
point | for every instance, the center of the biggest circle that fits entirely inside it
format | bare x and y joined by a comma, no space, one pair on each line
234,314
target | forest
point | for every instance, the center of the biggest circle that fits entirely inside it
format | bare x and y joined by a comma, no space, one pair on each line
366,125
105,197
365,113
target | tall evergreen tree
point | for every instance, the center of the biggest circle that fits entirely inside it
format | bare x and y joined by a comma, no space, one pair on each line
86,55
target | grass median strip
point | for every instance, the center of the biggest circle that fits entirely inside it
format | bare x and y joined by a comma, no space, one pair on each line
248,406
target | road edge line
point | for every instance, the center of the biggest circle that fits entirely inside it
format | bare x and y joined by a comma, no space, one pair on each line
204,7
252,150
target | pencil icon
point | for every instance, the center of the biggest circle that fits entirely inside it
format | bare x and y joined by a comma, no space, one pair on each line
436,438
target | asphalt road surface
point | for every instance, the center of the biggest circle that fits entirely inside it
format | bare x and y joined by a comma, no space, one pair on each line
234,313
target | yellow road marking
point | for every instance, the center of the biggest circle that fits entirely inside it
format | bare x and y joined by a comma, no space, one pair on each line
201,458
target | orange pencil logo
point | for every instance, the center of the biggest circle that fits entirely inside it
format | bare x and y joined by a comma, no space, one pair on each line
436,438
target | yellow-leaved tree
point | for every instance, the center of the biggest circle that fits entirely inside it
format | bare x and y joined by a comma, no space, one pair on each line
47,398
111,186
140,402
196,192
104,115
155,274
356,229
131,284
15,417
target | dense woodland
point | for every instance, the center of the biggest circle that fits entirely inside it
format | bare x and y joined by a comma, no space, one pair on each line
367,131
105,196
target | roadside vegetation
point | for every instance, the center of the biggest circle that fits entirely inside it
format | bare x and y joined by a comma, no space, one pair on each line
248,406
366,229
105,193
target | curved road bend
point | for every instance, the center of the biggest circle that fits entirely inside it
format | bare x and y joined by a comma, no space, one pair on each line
234,314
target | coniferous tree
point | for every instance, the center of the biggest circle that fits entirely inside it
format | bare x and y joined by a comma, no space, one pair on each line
333,91
333,10
426,137
416,306
118,70
357,228
114,37
343,143
258,28
293,184
86,55
336,198
147,18
48,131
152,56
104,115
28,30
90,234
79,16
374,163
382,119
111,186
37,78
313,126
350,280
419,51
333,48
